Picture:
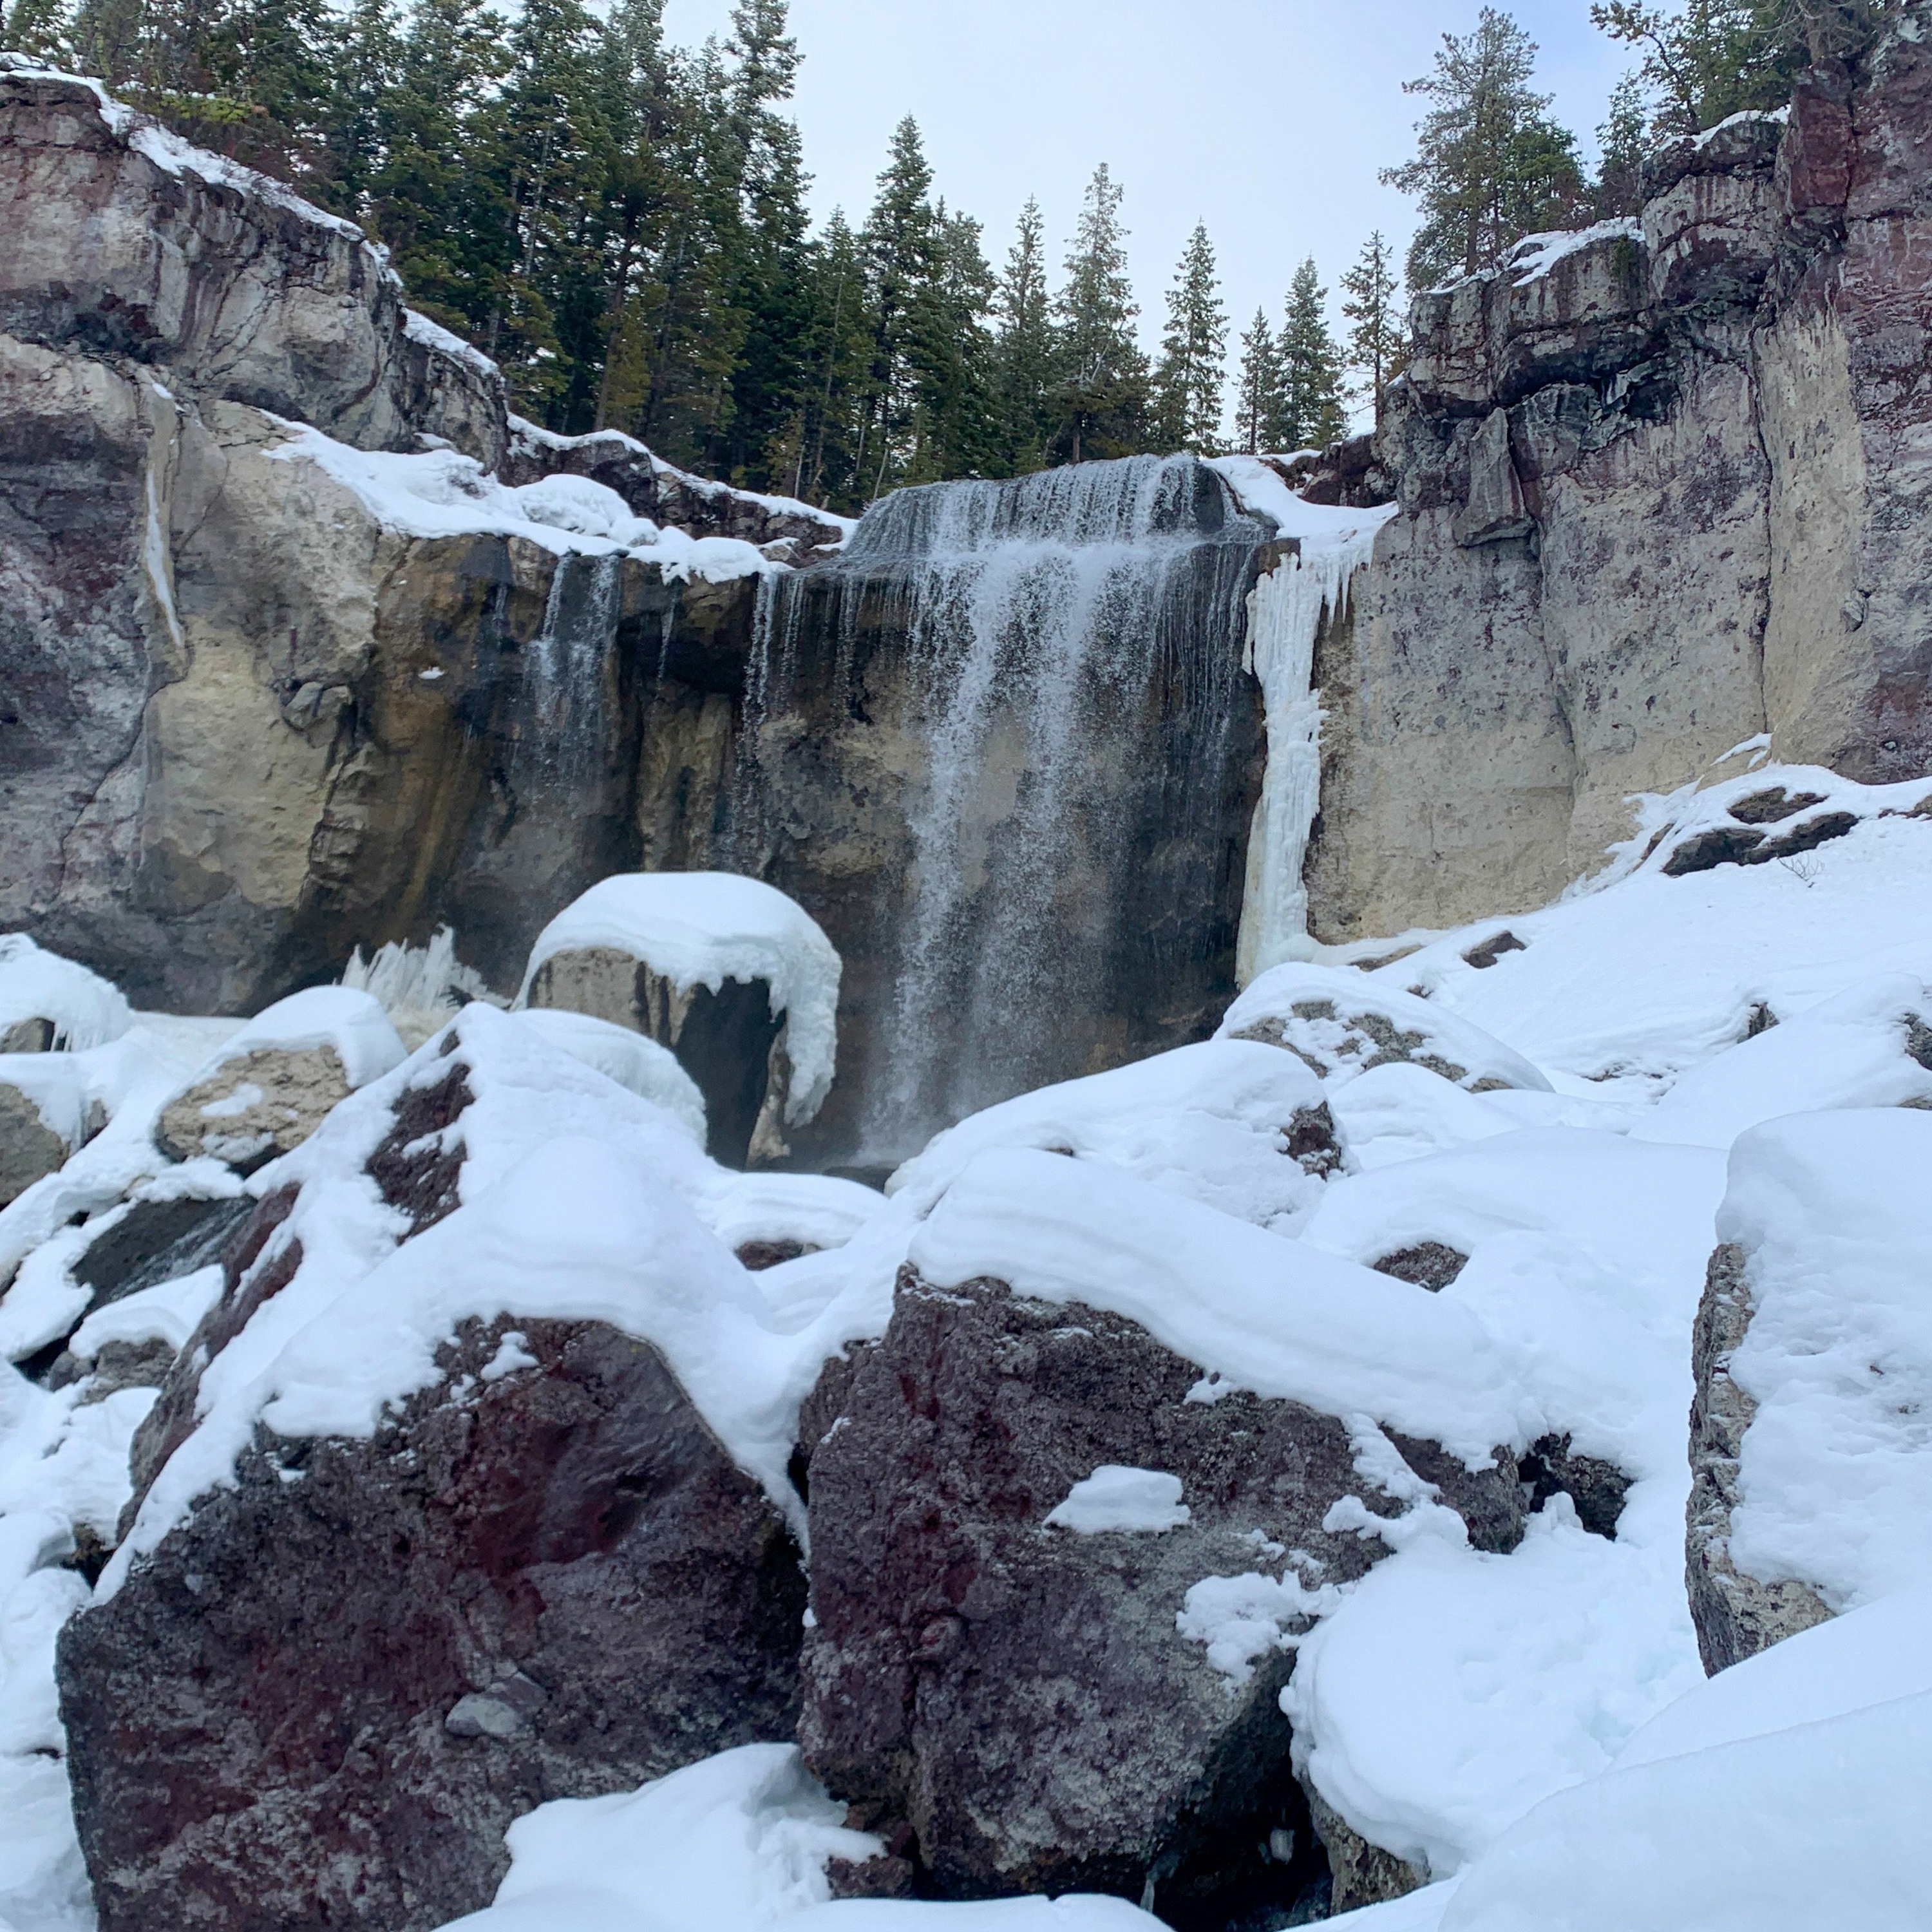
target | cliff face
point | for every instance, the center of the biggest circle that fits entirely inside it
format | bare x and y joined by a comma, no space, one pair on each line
1662,489
246,721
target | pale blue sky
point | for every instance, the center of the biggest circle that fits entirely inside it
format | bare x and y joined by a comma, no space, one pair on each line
1268,119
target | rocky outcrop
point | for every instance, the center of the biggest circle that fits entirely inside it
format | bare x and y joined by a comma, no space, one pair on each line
1007,1701
1735,1615
1660,489
125,243
787,530
327,1690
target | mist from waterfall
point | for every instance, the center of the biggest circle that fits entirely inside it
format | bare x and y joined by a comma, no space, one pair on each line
1036,619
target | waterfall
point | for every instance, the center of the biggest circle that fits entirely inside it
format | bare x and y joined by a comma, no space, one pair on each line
567,672
1066,664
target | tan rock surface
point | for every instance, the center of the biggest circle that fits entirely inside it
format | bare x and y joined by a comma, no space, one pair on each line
254,1107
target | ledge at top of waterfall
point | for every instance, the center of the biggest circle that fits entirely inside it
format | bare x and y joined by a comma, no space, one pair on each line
702,929
1136,502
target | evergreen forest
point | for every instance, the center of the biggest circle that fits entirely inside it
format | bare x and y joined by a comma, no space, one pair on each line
622,224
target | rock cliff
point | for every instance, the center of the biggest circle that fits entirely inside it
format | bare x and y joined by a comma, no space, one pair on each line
1661,490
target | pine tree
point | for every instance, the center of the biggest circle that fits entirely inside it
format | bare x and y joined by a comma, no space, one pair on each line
1490,166
1713,58
952,433
1024,349
838,346
41,28
1310,412
901,250
1257,386
1374,347
1101,396
1192,372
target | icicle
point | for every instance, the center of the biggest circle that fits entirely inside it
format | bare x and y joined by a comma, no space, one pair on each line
1286,610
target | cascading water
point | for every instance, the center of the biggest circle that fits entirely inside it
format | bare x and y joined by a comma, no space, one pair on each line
569,714
1066,667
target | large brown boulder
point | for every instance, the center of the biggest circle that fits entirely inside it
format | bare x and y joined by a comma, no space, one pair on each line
1006,1697
320,1692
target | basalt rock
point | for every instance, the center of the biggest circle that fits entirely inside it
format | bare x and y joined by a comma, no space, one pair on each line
1660,491
1735,1615
1010,1704
327,1691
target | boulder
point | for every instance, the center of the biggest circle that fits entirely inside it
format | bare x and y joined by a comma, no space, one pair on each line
46,1113
321,1691
254,1107
1736,1614
995,1682
735,978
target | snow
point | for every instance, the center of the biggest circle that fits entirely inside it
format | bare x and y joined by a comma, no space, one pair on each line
1330,1016
56,1084
535,434
1206,1122
1850,1051
818,1210
170,1311
737,1842
1116,1499
440,493
86,1010
1633,977
1535,255
419,328
1834,1216
1772,117
702,929
646,1069
1278,1317
351,1024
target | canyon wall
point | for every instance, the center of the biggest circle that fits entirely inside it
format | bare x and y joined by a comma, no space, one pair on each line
1662,490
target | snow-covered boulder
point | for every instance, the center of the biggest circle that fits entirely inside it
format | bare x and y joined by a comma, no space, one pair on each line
1230,1123
634,1061
467,1493
737,980
270,1086
47,1002
1114,1448
1870,1046
1812,1487
46,1113
1342,1023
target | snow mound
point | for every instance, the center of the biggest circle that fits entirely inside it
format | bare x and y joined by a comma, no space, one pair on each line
1638,974
352,1024
640,1065
1870,1047
1280,1317
84,1010
1834,1217
440,493
702,929
1114,1497
1819,1821
1342,1023
1211,1122
56,1083
816,1210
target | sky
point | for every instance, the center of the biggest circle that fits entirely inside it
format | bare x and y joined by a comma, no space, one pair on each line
1267,119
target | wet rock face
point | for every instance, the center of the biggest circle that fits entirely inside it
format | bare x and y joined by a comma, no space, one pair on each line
331,1689
1009,1703
1736,1616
